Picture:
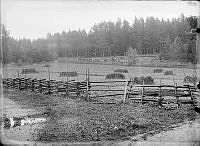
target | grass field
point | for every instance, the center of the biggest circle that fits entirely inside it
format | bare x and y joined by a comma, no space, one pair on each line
98,69
75,120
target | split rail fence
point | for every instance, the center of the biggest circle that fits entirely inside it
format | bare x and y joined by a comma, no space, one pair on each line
90,90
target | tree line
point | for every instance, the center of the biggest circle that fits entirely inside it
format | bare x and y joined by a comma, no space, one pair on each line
106,39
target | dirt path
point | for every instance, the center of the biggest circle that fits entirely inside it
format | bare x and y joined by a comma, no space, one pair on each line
21,133
186,135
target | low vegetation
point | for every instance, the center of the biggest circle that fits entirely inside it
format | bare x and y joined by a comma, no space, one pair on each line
146,80
189,79
168,73
158,70
46,65
29,71
68,74
115,76
121,70
75,120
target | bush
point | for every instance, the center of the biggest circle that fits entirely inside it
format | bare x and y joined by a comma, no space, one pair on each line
46,65
115,76
169,73
29,71
189,79
68,74
147,80
121,70
158,70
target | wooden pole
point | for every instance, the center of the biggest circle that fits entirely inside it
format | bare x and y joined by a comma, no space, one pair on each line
67,87
191,95
160,96
125,92
175,93
142,92
87,81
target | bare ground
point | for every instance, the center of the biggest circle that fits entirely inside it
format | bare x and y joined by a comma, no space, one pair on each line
75,120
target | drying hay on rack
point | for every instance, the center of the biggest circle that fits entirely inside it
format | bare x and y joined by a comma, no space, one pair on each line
158,70
68,74
121,70
29,71
147,80
115,76
168,73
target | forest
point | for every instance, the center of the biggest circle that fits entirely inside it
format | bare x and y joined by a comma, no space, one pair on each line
105,39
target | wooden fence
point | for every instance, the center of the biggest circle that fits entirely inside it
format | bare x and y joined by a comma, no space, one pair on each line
88,89
47,86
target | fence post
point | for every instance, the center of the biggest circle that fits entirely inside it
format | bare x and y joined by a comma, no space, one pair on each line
49,87
175,93
125,92
87,82
32,86
13,83
67,88
191,95
160,96
26,84
77,89
19,87
142,91
40,84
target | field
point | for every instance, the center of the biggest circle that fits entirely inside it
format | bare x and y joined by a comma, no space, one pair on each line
99,70
73,119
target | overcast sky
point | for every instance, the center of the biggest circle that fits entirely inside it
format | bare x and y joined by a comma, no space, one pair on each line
33,19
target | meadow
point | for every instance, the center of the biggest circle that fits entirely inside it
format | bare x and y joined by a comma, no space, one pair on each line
98,72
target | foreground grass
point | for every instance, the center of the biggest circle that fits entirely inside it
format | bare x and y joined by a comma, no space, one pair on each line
75,120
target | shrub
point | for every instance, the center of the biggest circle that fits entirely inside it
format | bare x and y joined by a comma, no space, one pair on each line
121,70
115,76
169,73
147,80
29,71
158,70
46,65
189,79
68,74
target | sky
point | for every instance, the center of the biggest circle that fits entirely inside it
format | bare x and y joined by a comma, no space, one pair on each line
34,19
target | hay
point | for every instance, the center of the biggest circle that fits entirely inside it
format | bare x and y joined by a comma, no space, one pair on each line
169,73
29,71
121,70
158,70
115,76
147,80
68,74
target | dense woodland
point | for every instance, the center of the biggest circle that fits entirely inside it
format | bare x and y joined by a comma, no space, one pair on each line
107,39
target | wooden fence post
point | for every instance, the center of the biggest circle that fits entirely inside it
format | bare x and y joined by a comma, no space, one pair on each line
26,84
19,87
49,87
67,88
160,96
32,86
77,89
142,92
13,83
40,85
87,82
191,95
125,92
176,93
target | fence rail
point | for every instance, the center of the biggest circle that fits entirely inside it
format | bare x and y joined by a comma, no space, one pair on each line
90,89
